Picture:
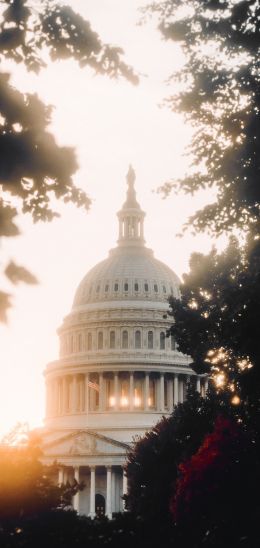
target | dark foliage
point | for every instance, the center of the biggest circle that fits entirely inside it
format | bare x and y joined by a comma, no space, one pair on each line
216,500
34,169
220,97
219,309
153,462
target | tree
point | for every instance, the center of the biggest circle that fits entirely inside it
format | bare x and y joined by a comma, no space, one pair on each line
215,501
219,308
220,97
152,464
33,168
27,489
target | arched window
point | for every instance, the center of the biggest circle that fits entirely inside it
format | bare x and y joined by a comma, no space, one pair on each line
136,287
80,342
150,339
173,344
106,288
112,339
125,339
89,341
162,340
164,289
116,287
138,339
100,505
155,288
146,288
100,340
125,287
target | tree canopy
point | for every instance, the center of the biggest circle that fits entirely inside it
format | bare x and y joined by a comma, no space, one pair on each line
34,169
220,96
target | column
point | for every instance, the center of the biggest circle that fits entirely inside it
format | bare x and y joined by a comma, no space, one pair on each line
146,391
176,389
86,402
60,476
76,496
161,391
56,397
109,493
131,391
198,385
206,385
92,492
116,390
170,386
63,395
125,488
181,390
74,394
142,228
120,229
101,392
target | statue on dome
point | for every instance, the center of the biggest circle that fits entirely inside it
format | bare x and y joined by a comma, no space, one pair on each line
130,176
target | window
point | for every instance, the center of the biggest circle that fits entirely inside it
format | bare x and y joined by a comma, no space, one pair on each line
162,340
100,340
98,288
125,287
164,288
146,288
106,288
155,288
89,341
112,339
138,339
150,339
125,339
136,287
116,287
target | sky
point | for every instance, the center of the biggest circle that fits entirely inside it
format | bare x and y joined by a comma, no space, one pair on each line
110,124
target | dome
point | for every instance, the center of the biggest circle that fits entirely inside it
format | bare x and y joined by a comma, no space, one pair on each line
129,273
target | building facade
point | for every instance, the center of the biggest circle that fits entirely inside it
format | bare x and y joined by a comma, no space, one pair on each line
118,372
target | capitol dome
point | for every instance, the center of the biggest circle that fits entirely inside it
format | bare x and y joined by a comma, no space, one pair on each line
128,273
118,371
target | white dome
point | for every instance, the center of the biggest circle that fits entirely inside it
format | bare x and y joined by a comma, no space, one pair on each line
128,273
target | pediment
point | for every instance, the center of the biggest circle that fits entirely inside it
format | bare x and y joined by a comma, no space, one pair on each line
82,443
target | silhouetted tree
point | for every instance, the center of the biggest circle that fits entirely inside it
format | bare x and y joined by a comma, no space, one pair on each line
220,96
153,462
33,167
216,322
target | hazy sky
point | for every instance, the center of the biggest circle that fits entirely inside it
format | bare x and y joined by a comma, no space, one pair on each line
111,124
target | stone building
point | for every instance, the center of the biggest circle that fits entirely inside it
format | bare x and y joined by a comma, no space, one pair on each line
117,373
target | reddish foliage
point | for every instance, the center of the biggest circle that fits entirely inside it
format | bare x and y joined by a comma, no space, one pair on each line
210,473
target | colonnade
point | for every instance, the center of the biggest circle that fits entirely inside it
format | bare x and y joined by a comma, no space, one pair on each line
114,391
63,478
